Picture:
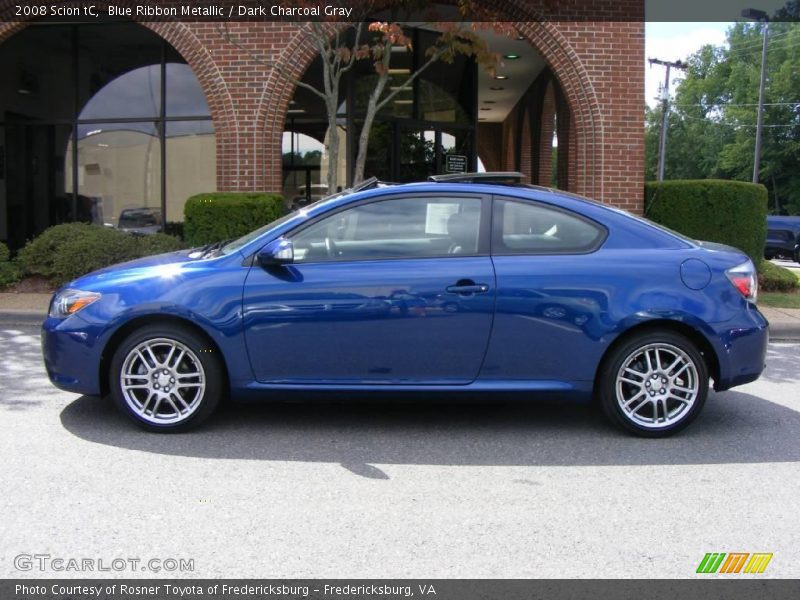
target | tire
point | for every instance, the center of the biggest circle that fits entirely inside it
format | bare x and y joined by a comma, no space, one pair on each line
657,398
174,378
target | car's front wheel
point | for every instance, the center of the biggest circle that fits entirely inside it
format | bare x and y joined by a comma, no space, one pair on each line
654,384
166,378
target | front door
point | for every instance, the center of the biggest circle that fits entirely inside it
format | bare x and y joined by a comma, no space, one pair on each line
393,291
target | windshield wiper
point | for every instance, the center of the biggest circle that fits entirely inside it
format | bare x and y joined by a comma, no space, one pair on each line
209,249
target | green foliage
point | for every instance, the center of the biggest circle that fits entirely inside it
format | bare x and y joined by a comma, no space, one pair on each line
728,212
711,126
174,228
9,271
772,278
64,252
226,215
157,243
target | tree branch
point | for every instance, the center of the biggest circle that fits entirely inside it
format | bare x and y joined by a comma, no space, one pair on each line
415,75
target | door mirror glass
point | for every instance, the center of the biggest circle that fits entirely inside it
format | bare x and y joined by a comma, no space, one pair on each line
277,252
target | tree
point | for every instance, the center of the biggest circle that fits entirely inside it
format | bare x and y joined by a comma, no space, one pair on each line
342,44
712,125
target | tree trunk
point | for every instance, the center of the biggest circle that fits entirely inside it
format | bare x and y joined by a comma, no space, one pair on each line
369,117
332,148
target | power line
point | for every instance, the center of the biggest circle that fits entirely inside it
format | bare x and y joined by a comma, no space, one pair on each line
712,121
727,104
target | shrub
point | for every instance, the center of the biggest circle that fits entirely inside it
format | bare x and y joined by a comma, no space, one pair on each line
772,278
64,252
174,228
9,271
728,212
157,243
222,215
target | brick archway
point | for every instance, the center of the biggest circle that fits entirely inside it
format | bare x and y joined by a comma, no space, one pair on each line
195,53
545,37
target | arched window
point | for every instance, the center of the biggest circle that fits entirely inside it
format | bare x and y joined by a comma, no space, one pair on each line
112,119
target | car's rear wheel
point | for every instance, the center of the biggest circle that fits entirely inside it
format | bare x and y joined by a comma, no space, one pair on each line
654,384
166,378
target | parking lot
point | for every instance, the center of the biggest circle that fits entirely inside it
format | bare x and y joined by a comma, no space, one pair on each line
397,490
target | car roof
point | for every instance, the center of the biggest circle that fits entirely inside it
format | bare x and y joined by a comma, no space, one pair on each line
507,184
485,185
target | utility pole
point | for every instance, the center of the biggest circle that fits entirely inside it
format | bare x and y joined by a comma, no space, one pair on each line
662,146
762,17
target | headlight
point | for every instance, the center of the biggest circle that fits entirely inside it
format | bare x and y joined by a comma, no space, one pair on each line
68,302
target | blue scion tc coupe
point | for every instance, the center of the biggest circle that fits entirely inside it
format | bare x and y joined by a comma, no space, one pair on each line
474,283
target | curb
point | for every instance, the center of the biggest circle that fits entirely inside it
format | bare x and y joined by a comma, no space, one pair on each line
788,332
21,317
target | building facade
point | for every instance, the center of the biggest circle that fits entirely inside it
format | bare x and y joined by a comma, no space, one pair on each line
101,118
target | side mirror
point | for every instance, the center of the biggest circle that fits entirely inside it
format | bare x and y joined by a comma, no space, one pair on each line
277,252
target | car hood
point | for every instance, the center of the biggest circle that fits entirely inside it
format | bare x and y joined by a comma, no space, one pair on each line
141,268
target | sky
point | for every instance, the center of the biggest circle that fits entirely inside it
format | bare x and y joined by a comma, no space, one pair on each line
675,41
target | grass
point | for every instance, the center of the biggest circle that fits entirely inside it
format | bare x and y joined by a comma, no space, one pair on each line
779,299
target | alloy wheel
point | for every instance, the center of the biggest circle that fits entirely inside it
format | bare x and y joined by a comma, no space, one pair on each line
657,385
162,381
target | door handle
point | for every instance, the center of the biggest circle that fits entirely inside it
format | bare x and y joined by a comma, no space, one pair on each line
467,286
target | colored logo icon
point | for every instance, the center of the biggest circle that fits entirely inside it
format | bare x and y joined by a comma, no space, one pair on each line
734,562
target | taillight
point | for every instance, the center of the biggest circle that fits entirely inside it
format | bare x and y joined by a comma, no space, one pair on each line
744,278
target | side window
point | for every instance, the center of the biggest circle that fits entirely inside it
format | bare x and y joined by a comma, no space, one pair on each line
395,228
530,228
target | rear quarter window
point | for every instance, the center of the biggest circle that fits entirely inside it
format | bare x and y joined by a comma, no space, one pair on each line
521,227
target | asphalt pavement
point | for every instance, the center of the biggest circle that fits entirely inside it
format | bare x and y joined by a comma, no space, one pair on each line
377,489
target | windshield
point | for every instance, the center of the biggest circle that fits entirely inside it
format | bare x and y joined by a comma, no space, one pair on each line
233,246
249,237
246,239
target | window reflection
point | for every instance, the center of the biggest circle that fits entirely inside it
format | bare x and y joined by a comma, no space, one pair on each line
134,94
119,169
185,97
118,71
302,159
191,163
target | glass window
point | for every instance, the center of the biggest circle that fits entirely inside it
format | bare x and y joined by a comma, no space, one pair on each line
184,97
36,68
398,228
191,163
119,174
531,228
127,95
119,71
134,94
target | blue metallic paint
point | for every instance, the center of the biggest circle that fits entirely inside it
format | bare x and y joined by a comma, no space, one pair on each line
543,325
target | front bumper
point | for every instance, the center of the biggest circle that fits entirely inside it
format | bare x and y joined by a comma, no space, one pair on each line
72,355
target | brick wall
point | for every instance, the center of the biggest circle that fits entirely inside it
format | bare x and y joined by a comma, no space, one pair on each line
243,70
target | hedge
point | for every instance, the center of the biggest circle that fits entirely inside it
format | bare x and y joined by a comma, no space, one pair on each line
9,271
225,215
64,252
728,212
772,278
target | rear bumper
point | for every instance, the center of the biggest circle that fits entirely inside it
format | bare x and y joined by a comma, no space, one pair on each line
72,355
741,347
